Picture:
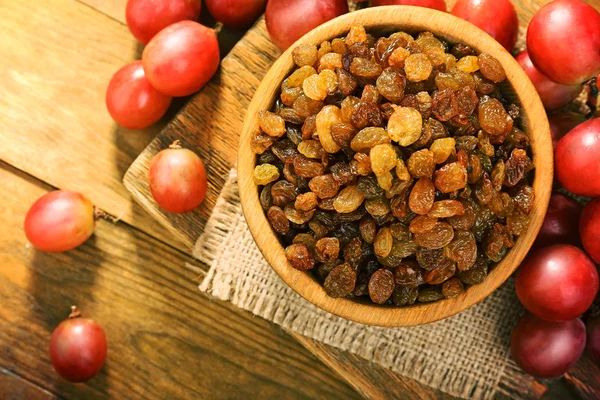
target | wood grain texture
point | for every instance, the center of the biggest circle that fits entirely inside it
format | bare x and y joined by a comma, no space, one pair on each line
56,64
14,387
370,380
535,124
165,338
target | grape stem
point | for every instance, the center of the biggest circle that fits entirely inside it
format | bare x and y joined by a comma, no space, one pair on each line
218,28
176,145
74,313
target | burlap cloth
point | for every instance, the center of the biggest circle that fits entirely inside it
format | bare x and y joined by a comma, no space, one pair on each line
466,356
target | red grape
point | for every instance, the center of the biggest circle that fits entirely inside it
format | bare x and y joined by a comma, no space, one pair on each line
554,95
181,58
496,17
593,339
547,349
563,41
562,123
145,18
561,224
288,20
589,228
59,221
435,4
576,159
557,283
236,13
78,348
177,179
131,101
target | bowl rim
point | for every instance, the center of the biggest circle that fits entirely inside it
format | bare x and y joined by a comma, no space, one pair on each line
535,123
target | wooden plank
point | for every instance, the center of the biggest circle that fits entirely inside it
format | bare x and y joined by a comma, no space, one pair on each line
113,8
56,64
164,336
584,378
369,379
13,387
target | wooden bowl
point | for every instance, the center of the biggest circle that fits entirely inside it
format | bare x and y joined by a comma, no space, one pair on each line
519,89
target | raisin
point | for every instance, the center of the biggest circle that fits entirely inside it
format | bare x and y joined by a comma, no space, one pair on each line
445,104
311,149
400,250
422,224
330,61
266,200
446,209
442,149
327,249
493,243
260,142
367,114
283,193
305,107
400,232
297,78
399,205
338,46
306,167
422,196
324,186
381,286
342,134
524,199
385,180
346,82
462,250
285,150
361,164
421,164
296,216
452,288
265,174
341,281
357,34
440,236
417,67
517,224
343,173
491,68
355,50
467,101
382,246
278,220
378,206
353,251
405,125
398,57
299,257
383,158
306,201
391,84
368,229
328,116
494,119
483,85
476,274
290,94
368,138
450,177
409,274
348,200
468,64
430,294
515,167
402,171
440,275
305,54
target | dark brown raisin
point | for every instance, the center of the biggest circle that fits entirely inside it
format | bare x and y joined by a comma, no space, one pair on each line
341,281
381,286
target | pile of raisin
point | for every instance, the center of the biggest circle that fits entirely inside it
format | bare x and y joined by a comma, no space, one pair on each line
393,168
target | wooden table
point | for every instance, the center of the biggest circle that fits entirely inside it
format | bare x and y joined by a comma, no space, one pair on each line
166,339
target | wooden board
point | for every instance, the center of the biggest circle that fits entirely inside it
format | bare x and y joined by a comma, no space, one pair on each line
210,125
165,338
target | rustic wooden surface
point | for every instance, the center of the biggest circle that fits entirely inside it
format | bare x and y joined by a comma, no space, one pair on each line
138,280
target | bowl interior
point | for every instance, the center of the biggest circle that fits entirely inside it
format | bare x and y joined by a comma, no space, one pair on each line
517,88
